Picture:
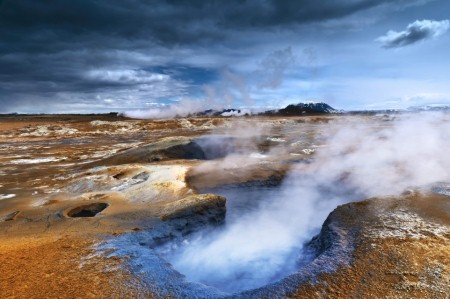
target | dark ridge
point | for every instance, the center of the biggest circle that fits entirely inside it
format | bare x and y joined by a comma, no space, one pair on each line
444,108
116,114
302,109
112,116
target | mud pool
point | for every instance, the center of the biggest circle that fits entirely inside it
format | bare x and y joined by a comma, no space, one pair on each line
232,274
236,265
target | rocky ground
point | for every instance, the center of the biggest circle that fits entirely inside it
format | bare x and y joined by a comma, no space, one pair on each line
378,248
73,186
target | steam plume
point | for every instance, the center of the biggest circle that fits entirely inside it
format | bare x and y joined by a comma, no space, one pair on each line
358,161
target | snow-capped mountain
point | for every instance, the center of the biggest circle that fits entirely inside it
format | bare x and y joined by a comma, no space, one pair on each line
302,109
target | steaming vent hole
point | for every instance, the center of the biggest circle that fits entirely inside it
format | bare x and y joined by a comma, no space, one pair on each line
243,200
89,210
216,147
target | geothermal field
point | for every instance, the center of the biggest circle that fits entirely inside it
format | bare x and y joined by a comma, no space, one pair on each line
336,205
224,149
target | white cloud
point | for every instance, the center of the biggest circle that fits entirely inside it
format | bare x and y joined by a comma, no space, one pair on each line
126,76
414,32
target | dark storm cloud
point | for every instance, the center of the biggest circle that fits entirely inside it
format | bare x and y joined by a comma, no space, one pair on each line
53,51
414,32
166,22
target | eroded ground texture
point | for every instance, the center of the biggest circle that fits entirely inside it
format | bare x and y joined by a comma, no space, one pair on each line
84,200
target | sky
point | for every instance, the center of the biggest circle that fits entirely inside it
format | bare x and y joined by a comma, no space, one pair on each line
101,56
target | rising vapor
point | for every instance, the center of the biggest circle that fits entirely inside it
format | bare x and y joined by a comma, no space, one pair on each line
359,161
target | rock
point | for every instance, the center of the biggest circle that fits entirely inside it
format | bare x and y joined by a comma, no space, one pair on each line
10,216
167,149
195,212
193,206
184,216
377,248
211,174
137,183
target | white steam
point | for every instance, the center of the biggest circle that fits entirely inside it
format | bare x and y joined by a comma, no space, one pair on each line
233,89
273,68
237,112
359,160
182,108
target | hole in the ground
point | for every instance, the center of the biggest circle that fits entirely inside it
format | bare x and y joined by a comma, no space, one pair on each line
89,210
263,239
119,175
233,257
217,146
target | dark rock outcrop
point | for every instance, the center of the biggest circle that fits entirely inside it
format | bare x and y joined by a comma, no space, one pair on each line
167,149
195,211
190,214
10,216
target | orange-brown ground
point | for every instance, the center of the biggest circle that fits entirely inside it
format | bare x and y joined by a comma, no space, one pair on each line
46,255
394,260
61,267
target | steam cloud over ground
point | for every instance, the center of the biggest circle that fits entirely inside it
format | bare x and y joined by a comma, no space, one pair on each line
358,161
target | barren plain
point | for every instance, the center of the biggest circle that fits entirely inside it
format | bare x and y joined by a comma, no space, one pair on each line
332,206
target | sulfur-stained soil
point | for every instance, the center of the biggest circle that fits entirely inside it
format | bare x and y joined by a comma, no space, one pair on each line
62,267
402,251
68,183
44,252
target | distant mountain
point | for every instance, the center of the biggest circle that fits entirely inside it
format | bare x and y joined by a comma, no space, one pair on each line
430,108
303,109
223,112
290,110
